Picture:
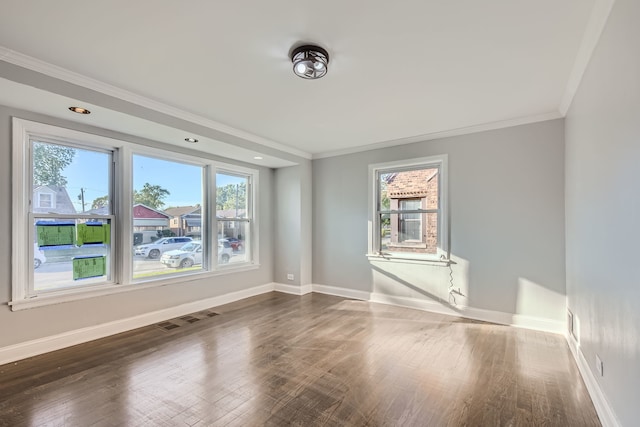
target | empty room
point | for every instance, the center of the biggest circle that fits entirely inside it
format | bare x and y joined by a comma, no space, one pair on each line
252,213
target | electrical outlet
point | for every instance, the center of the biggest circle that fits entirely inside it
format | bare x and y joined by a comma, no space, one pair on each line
289,276
599,366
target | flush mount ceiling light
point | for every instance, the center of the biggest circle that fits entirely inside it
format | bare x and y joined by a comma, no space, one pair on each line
79,110
310,62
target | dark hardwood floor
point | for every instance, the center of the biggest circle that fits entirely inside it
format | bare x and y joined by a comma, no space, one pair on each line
315,360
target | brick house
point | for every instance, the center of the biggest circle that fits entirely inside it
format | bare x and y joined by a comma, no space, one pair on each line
185,220
413,190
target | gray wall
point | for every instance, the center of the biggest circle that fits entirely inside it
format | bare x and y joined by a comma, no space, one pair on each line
506,201
603,210
54,319
292,221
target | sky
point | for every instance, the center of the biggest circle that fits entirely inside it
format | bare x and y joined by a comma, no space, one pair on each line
89,171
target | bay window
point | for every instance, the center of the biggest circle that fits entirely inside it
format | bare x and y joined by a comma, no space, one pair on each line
95,215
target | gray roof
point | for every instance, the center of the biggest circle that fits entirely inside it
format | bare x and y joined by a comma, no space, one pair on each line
63,203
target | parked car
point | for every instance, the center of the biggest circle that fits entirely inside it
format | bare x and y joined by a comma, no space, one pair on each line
191,254
157,248
38,256
142,237
236,244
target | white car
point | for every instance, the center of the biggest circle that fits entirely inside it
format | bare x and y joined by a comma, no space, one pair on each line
160,246
38,256
191,254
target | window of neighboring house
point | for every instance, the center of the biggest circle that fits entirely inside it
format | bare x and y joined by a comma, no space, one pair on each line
410,224
75,239
45,200
409,209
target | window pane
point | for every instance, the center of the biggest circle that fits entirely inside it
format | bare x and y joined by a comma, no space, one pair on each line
69,180
231,196
409,190
385,231
167,217
432,233
232,238
69,253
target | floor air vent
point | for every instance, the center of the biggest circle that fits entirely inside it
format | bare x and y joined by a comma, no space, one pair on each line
167,326
187,319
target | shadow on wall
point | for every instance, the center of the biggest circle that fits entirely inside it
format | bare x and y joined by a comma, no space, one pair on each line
408,281
451,288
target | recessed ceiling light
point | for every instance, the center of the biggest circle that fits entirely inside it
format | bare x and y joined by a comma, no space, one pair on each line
191,140
79,110
257,157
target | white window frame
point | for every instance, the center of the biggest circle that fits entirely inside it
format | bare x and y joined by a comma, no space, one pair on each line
52,200
23,297
250,246
374,238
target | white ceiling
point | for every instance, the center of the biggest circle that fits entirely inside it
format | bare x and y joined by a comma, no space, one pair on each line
398,71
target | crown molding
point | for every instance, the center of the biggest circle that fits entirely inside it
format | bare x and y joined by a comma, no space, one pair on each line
590,38
54,71
444,134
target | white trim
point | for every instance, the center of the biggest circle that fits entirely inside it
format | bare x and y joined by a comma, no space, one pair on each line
34,64
407,259
75,294
342,292
502,318
603,408
293,289
509,319
442,134
66,339
591,37
21,248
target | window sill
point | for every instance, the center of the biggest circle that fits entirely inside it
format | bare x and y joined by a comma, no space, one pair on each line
69,295
408,259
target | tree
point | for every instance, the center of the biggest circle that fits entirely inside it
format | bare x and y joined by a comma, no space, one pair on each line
49,161
151,195
100,202
227,196
385,202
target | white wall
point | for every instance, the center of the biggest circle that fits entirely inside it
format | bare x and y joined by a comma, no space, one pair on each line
506,221
25,325
603,210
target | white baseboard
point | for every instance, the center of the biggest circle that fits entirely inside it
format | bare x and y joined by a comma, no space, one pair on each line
55,342
499,317
603,408
293,289
342,292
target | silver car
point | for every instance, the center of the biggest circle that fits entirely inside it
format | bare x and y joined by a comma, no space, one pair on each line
191,254
157,248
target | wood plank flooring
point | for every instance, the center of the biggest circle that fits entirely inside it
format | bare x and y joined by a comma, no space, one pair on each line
315,360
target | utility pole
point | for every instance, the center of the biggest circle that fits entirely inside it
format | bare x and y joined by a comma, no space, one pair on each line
81,197
237,193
